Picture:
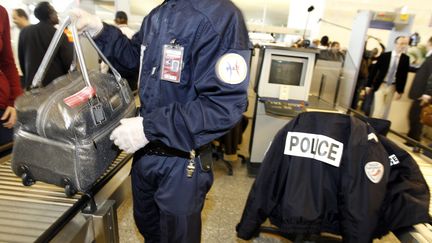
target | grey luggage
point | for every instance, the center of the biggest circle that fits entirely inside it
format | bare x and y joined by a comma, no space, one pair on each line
62,132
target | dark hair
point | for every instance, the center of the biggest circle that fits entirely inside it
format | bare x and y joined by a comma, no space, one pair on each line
324,40
20,12
43,11
397,38
121,16
430,40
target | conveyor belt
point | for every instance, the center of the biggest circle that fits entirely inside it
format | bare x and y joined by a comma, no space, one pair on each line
38,212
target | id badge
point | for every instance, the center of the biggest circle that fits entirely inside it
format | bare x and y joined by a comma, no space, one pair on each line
172,62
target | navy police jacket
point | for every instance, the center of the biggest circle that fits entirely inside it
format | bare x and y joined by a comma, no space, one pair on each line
323,172
407,198
211,94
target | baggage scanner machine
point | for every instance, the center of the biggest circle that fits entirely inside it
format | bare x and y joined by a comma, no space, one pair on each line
282,84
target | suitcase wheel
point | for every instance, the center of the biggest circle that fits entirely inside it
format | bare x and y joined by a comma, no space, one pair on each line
27,179
69,189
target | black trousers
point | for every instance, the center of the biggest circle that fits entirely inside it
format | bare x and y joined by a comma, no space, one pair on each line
6,134
415,126
167,204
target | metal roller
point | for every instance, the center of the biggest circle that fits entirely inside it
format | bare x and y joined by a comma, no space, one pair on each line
40,213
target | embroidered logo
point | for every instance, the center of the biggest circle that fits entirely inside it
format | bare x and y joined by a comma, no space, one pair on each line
314,146
374,171
231,68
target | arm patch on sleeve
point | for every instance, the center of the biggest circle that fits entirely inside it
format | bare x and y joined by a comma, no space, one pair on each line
231,68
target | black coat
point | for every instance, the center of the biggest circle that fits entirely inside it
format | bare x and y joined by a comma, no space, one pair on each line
32,46
306,195
419,85
407,198
379,71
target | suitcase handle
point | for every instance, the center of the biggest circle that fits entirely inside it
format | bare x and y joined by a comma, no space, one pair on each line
52,48
101,55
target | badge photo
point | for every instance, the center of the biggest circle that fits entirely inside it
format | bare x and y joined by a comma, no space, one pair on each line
231,68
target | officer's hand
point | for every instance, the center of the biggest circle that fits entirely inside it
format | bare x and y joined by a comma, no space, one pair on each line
9,116
397,96
129,136
86,21
425,99
368,90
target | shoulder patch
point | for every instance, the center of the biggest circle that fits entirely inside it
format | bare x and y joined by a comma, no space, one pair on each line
231,68
374,171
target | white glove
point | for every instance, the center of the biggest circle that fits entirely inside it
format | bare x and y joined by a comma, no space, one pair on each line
129,136
86,21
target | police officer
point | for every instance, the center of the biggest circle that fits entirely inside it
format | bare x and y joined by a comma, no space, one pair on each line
192,57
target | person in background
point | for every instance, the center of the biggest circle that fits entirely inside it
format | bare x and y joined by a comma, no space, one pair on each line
121,21
388,77
324,43
315,43
333,53
420,95
193,56
33,44
10,87
20,19
361,78
366,105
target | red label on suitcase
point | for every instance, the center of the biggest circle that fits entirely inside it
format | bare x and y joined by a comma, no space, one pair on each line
79,98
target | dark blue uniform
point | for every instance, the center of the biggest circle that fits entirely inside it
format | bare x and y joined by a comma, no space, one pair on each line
207,101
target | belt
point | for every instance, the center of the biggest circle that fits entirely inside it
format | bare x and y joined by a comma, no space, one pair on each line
154,148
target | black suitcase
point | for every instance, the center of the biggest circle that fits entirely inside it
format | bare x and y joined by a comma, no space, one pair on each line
62,132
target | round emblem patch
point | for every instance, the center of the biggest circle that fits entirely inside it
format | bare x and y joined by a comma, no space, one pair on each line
374,171
231,68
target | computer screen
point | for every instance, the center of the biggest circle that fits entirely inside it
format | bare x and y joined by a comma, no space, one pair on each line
286,72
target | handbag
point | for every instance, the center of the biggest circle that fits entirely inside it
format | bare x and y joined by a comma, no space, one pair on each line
426,115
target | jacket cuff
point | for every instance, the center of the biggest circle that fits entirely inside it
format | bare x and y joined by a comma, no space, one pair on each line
148,128
247,232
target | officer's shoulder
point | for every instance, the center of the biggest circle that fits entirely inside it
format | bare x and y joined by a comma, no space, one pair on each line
220,10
